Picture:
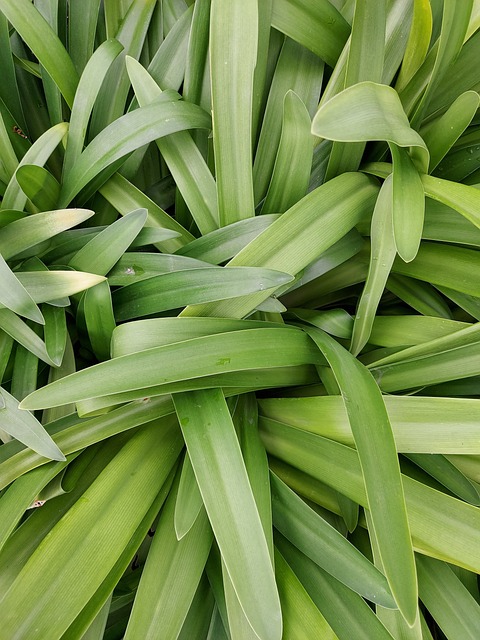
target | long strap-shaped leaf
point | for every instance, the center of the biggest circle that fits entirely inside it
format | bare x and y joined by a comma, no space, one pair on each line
326,546
233,55
44,43
110,512
25,427
223,482
311,226
236,351
128,133
378,458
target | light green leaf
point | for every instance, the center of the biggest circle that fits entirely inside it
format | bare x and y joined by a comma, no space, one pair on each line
237,351
408,204
455,21
48,286
444,132
328,548
155,332
125,197
170,577
417,44
415,424
135,266
104,250
223,482
23,426
301,618
193,286
189,501
378,458
461,197
368,111
457,524
27,232
311,226
88,87
40,187
233,55
445,265
454,609
381,259
24,335
14,296
99,319
345,611
291,173
55,332
316,25
298,70
222,244
127,133
111,509
189,170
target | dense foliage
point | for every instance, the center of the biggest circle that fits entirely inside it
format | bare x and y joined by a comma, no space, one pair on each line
239,319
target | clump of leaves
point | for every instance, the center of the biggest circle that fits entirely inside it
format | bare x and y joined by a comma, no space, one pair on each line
239,319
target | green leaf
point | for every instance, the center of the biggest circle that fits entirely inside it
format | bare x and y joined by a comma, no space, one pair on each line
235,351
136,266
23,426
408,204
455,523
104,250
418,42
223,482
99,319
186,163
170,577
451,605
48,286
222,244
297,70
461,197
125,197
415,424
316,25
38,154
233,55
15,297
44,43
27,232
24,335
368,111
39,186
193,286
311,226
291,173
301,618
381,260
323,544
455,21
127,133
378,458
189,501
444,132
345,611
445,265
55,332
88,87
111,509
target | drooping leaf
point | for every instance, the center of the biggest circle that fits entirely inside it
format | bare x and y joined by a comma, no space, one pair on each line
23,426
